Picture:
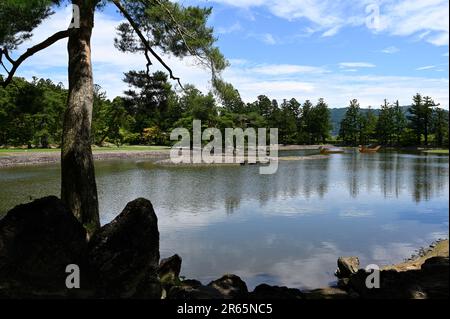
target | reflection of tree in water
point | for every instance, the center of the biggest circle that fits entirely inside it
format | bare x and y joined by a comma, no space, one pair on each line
430,176
422,179
322,186
232,204
292,179
400,169
424,176
315,179
391,174
388,174
353,164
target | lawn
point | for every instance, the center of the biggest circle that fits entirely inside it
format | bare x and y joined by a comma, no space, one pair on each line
436,151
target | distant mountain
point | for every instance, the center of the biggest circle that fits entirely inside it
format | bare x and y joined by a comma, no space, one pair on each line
338,114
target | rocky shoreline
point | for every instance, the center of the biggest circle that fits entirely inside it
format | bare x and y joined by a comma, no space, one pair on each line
40,158
18,159
40,239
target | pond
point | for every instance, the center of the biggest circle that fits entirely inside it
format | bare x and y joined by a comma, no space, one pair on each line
283,229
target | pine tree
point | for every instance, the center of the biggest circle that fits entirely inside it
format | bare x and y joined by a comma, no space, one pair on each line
322,121
369,126
440,127
399,123
351,124
385,124
163,24
306,123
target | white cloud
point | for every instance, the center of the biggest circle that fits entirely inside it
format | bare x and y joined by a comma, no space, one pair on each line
336,88
426,19
427,67
331,32
277,81
284,69
231,29
354,65
109,64
268,39
409,17
390,50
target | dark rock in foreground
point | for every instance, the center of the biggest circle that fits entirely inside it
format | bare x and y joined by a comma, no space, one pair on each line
169,268
347,266
327,293
40,239
274,292
124,254
429,281
193,290
230,286
37,242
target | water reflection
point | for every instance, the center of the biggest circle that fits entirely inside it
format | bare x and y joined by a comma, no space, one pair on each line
286,228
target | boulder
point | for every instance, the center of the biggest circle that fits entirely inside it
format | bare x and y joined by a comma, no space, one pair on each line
343,283
230,286
124,254
347,266
193,290
267,292
37,242
191,283
425,283
437,263
169,269
326,293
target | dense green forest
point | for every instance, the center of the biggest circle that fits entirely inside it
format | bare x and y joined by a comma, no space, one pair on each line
31,115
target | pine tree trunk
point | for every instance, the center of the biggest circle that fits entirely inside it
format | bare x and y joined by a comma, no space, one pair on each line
78,188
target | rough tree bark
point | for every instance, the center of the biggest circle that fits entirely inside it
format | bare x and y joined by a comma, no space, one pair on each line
78,187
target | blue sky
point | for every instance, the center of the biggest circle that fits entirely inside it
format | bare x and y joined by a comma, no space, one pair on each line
305,49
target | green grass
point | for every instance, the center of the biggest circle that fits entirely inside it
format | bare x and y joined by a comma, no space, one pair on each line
94,148
436,151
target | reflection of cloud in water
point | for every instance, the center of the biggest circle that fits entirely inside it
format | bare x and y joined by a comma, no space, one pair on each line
437,235
355,214
393,252
286,210
311,272
186,220
389,227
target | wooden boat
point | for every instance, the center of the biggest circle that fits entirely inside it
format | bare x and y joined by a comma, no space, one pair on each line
330,150
363,149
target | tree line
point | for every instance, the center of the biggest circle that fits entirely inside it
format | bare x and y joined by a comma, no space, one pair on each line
424,123
31,114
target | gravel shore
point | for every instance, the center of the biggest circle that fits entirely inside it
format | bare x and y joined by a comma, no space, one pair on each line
39,158
17,159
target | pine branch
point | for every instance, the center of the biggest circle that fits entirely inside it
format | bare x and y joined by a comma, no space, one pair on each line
179,29
145,42
31,51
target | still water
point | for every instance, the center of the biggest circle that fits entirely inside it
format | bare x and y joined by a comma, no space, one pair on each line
284,229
